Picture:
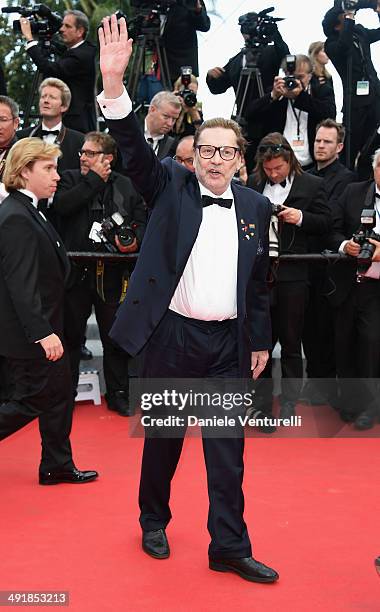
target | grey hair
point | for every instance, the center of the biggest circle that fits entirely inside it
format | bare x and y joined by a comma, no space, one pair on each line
81,20
12,105
376,159
165,96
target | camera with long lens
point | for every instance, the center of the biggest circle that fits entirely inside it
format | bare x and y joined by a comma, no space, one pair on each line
43,21
115,226
355,5
290,80
188,96
277,208
366,231
259,29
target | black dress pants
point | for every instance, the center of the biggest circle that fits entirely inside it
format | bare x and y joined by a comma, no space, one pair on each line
79,300
357,328
186,348
41,388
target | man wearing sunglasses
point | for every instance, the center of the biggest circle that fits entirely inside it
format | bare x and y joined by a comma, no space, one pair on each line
197,301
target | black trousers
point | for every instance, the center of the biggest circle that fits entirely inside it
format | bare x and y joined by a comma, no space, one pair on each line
357,338
41,388
363,127
79,301
186,348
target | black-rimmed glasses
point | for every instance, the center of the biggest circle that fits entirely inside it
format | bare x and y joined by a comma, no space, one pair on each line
226,153
90,154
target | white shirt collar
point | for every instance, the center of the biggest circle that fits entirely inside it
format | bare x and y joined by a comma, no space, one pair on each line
56,127
77,45
227,195
30,195
147,134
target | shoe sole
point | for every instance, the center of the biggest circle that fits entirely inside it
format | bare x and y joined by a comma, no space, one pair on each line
48,483
156,555
223,568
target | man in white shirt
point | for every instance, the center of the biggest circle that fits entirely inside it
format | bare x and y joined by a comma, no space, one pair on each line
164,110
197,299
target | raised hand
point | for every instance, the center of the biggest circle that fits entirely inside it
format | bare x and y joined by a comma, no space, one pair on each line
115,52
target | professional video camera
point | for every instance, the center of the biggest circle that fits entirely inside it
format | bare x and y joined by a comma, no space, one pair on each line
110,228
355,5
259,28
188,96
149,4
365,231
290,80
43,22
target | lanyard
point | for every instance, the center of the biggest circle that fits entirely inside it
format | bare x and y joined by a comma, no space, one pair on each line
298,119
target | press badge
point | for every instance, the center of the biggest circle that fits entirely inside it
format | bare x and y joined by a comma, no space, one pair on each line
362,88
298,144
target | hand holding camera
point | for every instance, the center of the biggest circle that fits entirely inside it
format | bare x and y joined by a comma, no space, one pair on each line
376,253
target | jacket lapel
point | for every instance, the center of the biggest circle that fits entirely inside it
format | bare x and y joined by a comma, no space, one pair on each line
190,218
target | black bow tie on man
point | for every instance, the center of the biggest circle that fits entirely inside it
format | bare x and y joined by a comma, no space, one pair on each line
48,132
283,183
208,201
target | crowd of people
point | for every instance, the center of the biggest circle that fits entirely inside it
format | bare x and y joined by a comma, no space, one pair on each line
116,192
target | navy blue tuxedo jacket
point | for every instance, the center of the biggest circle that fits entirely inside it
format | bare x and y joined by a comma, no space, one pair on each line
172,192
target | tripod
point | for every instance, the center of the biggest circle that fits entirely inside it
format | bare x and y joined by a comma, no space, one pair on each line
47,50
249,74
149,41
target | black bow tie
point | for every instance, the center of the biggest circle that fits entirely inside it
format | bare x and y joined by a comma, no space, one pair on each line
150,141
47,132
283,183
208,201
377,195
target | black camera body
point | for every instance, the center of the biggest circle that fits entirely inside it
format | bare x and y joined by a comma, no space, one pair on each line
277,208
188,96
355,5
290,80
366,231
115,226
43,22
259,28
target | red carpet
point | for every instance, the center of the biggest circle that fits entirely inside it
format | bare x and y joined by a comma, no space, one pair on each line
312,506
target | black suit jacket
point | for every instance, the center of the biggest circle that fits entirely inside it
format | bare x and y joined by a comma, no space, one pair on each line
340,46
319,104
346,221
309,195
173,193
69,141
33,270
76,67
180,37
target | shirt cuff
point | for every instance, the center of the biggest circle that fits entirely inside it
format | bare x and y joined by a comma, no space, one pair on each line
31,43
300,221
115,108
341,248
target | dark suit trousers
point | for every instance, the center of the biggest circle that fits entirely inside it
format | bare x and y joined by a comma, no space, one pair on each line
357,328
78,305
186,348
41,388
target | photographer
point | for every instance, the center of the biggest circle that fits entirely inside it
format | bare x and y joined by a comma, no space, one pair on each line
294,107
348,46
357,304
84,198
269,59
183,20
190,117
76,67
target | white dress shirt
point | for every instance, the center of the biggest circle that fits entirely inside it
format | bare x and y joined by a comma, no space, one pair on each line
277,194
296,134
51,138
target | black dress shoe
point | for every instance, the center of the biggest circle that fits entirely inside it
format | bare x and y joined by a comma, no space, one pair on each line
72,476
365,420
247,568
155,544
287,410
85,353
118,401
